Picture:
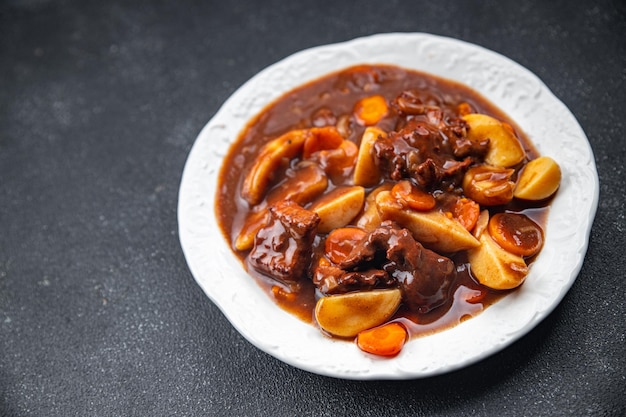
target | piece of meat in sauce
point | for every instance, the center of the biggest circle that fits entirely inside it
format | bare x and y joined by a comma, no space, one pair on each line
424,276
330,279
282,249
428,147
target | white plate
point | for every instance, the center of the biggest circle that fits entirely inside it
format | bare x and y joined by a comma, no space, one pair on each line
548,123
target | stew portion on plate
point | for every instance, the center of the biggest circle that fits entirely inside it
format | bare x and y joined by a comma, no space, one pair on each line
380,203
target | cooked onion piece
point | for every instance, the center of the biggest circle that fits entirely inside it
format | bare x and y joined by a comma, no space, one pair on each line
505,150
489,185
481,224
539,179
268,160
346,315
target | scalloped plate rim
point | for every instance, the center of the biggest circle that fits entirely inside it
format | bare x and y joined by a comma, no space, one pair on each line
197,227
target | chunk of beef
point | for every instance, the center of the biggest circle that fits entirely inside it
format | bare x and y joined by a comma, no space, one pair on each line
423,276
282,249
417,151
463,147
409,103
429,148
330,279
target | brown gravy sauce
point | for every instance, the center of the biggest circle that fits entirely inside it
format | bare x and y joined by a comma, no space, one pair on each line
333,96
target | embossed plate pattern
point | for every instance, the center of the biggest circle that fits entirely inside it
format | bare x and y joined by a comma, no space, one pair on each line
548,123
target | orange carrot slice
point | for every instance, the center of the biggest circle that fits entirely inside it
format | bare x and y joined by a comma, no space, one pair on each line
411,196
466,211
339,242
370,110
516,233
385,340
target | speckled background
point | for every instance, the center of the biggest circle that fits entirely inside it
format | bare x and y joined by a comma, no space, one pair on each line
100,103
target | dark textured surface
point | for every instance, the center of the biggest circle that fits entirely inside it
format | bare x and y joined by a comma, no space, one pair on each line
100,102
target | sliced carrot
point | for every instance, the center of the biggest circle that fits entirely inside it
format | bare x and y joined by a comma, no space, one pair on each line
411,196
370,110
516,233
466,211
339,242
385,340
321,138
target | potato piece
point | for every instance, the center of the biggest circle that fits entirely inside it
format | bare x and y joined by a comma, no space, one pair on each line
432,229
505,150
268,160
370,219
346,315
253,223
494,267
338,208
366,172
539,179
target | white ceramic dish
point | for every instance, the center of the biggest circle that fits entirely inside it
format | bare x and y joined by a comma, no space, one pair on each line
546,120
